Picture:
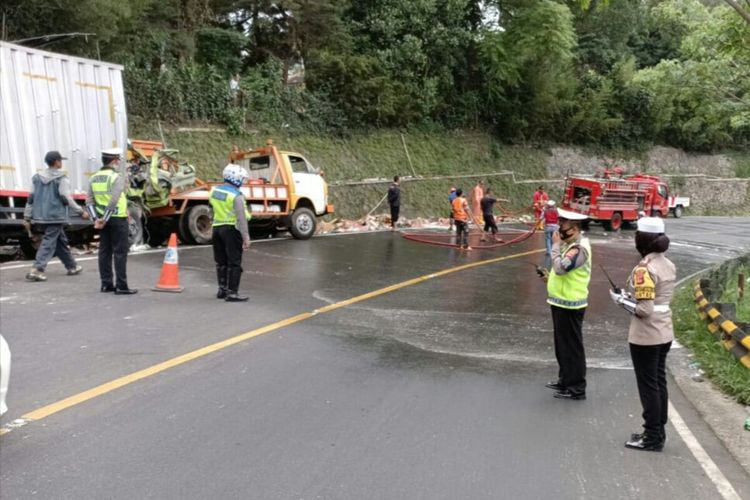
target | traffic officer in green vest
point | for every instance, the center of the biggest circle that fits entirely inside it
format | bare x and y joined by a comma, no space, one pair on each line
567,292
230,232
108,206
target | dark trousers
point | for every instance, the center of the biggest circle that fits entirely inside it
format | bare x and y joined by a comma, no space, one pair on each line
113,241
462,233
54,244
395,209
571,357
489,223
649,363
227,243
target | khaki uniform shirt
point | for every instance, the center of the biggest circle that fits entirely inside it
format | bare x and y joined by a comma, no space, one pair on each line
652,284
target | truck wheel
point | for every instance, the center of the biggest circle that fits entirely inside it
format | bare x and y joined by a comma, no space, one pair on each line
655,213
677,211
303,223
183,232
615,223
199,224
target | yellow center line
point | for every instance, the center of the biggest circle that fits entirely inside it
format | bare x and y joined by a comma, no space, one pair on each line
107,387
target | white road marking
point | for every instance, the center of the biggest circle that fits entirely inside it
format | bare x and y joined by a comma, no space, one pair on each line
709,467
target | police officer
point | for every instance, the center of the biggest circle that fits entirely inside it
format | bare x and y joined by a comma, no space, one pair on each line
230,232
649,293
567,292
108,206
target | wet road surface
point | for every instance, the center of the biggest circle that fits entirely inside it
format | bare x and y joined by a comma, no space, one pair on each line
434,390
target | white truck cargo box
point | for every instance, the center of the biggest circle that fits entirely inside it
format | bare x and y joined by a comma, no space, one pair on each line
52,101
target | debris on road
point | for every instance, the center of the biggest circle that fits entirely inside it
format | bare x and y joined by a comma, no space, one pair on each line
383,222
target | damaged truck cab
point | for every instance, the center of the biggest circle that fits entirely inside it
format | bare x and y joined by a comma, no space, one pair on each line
284,192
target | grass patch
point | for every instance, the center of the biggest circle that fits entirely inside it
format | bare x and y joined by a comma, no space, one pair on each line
730,290
719,364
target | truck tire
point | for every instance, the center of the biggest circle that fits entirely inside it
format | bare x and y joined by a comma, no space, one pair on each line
199,223
677,211
655,213
303,223
183,232
615,223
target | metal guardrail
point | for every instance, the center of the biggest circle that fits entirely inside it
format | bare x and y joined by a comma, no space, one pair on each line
732,337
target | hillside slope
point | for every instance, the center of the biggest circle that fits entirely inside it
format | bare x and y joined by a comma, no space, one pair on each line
466,155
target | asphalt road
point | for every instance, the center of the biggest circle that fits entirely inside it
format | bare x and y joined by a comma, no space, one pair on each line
433,390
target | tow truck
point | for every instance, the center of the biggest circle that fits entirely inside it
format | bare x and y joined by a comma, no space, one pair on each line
613,199
284,192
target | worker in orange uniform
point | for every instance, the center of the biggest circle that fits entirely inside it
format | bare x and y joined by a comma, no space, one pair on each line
540,200
461,219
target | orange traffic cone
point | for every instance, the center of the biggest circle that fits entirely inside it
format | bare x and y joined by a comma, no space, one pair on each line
169,281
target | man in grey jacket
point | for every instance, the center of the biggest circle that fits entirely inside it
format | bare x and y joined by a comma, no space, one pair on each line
49,204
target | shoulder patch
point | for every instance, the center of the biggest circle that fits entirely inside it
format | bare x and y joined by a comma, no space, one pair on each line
645,289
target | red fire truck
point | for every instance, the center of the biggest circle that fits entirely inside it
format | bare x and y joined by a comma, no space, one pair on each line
612,199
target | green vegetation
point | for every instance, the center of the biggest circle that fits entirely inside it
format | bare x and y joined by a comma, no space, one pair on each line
719,364
623,74
380,155
730,289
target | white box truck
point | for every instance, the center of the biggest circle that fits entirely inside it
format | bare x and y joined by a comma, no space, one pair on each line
52,101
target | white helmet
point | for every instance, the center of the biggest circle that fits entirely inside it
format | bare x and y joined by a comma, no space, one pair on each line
551,203
235,175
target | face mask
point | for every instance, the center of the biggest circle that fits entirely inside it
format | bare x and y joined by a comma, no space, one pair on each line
566,234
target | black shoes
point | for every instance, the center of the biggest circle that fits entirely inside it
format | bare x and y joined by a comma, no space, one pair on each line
233,285
118,291
557,386
645,443
233,296
566,394
221,278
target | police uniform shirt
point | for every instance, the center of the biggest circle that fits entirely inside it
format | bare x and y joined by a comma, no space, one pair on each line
652,284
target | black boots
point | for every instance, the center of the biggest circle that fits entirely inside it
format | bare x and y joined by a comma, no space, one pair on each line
646,442
221,278
233,285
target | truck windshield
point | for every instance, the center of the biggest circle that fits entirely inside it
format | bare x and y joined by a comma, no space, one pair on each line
581,198
299,165
662,190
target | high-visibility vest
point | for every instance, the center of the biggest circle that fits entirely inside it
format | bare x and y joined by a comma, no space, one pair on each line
571,290
221,199
101,187
458,209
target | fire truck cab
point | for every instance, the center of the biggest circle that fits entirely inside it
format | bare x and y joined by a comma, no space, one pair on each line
612,199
